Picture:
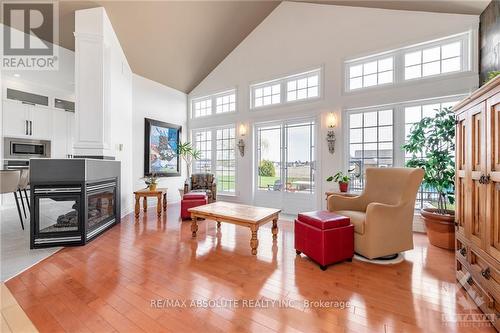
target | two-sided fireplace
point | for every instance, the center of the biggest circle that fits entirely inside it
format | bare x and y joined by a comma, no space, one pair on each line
74,200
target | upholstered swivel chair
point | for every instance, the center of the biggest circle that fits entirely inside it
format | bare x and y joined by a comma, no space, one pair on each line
383,214
202,182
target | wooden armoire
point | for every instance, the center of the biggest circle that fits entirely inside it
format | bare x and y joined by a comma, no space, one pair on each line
477,221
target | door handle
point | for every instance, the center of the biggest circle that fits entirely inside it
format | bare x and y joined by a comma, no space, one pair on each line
26,127
31,127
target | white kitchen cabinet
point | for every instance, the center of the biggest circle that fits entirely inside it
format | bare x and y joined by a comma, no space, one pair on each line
63,123
26,120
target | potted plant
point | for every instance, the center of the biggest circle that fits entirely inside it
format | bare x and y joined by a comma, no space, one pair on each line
342,179
432,145
188,153
151,181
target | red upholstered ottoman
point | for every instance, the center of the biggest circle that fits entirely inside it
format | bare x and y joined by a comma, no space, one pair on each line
325,237
190,200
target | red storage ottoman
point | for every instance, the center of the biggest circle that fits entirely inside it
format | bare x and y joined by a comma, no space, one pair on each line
190,200
325,237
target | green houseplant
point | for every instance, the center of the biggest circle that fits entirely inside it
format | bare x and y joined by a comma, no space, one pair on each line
342,179
188,153
151,181
432,144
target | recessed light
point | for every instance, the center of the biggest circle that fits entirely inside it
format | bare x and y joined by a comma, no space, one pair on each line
17,75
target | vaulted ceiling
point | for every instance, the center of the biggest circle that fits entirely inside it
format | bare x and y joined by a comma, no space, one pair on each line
178,43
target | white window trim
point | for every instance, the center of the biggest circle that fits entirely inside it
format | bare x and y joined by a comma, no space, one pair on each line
398,123
283,89
213,157
399,66
213,98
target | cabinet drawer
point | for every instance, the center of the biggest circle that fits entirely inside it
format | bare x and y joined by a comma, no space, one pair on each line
486,274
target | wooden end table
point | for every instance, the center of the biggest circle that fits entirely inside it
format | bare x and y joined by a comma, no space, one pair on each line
159,193
247,216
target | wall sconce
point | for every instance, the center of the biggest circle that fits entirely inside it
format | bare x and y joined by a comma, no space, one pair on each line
331,123
241,142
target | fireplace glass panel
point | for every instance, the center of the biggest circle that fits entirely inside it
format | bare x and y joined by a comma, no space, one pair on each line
101,208
58,214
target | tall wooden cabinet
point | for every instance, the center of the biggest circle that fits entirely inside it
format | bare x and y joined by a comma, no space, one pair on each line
478,197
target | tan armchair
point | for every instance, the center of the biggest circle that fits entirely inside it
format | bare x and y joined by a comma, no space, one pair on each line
383,214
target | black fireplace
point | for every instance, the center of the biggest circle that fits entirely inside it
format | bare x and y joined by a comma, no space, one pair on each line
74,200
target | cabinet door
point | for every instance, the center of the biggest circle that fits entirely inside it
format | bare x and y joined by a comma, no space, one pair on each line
15,118
59,134
477,158
41,122
493,171
461,162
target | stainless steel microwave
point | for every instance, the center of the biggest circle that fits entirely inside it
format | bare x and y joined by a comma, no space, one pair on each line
25,148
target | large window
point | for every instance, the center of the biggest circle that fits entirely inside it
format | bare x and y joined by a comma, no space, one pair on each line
222,102
293,88
370,142
225,166
374,138
437,57
217,148
285,157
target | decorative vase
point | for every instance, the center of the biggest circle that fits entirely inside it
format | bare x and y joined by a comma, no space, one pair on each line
152,187
343,187
440,228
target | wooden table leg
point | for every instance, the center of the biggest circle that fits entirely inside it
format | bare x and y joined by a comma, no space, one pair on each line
137,206
145,204
165,202
158,205
218,224
194,226
254,242
274,229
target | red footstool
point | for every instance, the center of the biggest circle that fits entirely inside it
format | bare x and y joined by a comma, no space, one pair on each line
190,200
325,237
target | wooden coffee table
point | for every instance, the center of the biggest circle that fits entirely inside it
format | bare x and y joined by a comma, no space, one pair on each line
244,215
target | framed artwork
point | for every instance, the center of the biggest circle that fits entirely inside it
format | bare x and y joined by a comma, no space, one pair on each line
161,141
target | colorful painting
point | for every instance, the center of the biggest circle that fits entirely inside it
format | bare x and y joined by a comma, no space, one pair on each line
160,149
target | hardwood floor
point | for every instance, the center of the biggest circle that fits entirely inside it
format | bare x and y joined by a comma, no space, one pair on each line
110,285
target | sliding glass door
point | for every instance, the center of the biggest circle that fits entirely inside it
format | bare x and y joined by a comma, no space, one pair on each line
285,165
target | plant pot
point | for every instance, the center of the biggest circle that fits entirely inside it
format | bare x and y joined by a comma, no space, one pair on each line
343,187
152,187
440,228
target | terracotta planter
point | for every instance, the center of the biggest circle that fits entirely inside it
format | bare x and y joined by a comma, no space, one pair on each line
343,187
440,228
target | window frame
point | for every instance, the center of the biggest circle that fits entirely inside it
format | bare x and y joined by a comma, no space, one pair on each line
213,99
398,54
283,82
364,61
213,154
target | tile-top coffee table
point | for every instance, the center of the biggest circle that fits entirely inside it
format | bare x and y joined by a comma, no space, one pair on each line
244,215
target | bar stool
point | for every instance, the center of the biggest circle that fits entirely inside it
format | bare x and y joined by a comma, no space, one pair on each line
9,183
23,185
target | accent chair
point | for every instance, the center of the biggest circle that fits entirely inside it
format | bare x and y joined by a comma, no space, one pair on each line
202,182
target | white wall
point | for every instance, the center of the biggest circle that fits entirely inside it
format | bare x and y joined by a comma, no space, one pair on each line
301,36
156,101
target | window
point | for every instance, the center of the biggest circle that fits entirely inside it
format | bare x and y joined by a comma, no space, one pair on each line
302,88
214,104
267,95
217,150
434,60
285,157
445,55
375,141
370,142
202,107
203,143
371,73
288,89
225,103
225,166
